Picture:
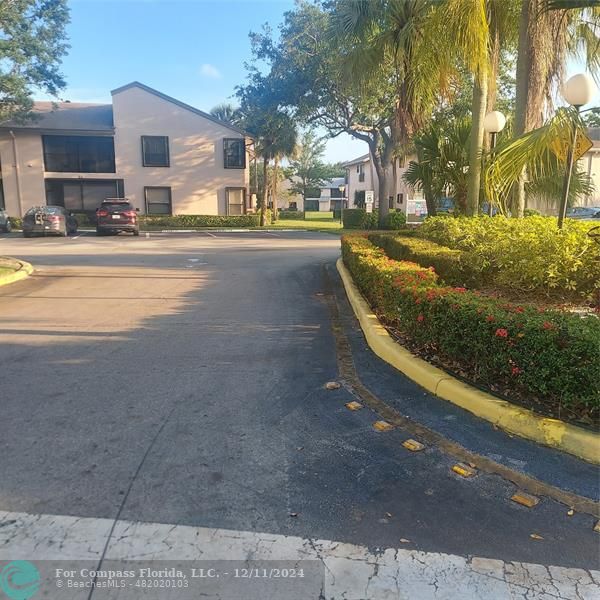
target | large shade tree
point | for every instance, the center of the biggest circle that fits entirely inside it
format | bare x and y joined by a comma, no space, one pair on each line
32,45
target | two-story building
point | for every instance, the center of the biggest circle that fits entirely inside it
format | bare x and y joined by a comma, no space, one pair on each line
165,156
361,177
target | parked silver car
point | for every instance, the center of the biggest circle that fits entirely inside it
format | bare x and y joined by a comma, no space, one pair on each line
5,224
43,220
584,212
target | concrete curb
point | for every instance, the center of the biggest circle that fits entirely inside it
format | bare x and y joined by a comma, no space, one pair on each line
513,419
23,270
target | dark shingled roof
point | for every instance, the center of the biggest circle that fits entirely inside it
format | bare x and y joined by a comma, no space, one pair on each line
67,116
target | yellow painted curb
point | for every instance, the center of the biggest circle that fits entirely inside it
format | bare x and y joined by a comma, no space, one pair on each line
514,419
24,270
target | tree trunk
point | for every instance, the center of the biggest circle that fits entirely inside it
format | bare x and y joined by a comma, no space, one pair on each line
274,188
263,199
385,173
476,143
521,99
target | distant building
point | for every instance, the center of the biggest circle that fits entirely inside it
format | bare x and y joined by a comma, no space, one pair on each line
361,177
165,156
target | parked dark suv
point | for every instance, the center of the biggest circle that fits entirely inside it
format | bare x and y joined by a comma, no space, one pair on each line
5,224
116,215
45,220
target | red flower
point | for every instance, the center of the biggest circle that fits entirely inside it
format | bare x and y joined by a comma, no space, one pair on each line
460,290
420,318
548,326
503,333
490,318
516,370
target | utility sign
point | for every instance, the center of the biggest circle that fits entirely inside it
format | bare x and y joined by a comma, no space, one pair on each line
560,147
369,200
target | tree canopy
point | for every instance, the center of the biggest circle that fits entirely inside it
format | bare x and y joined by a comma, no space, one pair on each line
31,49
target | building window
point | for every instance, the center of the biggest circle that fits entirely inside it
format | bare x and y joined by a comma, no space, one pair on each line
391,201
82,195
234,153
78,154
400,198
155,151
158,200
361,172
236,201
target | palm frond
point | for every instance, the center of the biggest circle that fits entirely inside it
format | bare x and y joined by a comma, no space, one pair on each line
532,152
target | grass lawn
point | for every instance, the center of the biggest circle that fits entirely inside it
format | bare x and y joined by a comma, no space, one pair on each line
312,220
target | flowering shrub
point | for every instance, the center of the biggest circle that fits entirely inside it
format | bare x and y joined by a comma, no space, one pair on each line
529,254
545,354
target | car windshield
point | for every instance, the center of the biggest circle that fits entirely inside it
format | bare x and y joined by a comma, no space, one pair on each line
116,206
49,210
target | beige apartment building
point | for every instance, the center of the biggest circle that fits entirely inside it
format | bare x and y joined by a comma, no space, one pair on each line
361,178
165,156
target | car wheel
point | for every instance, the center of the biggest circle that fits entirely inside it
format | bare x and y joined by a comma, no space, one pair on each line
8,226
136,232
27,234
99,232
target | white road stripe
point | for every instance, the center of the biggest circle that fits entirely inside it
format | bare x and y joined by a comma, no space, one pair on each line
350,570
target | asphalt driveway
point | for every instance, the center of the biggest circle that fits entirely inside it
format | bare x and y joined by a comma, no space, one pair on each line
179,378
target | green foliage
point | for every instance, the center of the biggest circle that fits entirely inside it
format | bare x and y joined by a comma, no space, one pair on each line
450,265
189,221
550,356
395,220
359,218
307,171
529,255
33,44
285,215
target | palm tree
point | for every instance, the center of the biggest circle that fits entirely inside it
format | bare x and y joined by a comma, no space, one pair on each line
392,37
534,153
442,166
226,112
550,32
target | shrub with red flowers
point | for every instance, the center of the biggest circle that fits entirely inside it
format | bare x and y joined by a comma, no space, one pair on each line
548,355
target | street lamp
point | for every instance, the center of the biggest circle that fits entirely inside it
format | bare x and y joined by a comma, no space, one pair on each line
493,123
342,189
577,91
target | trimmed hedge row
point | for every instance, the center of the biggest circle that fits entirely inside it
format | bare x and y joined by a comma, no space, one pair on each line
449,264
183,221
550,356
290,214
359,218
524,255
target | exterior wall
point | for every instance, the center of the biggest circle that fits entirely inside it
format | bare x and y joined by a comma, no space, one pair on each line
197,177
29,170
409,196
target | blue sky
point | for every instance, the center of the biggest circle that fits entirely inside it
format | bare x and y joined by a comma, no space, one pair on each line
193,50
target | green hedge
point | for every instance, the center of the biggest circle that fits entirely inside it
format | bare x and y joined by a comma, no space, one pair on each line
524,255
548,356
187,221
290,214
359,218
449,264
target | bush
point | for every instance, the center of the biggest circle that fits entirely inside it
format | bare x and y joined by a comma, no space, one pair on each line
449,264
524,254
547,355
359,218
395,220
531,212
291,214
186,221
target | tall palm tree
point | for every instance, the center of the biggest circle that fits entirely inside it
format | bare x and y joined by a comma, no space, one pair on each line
392,37
550,32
